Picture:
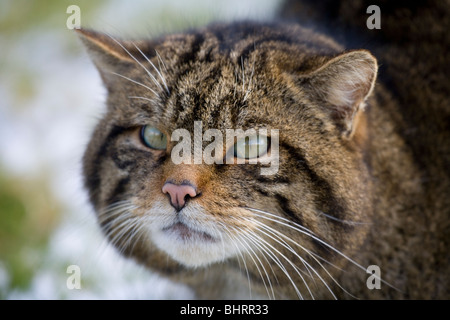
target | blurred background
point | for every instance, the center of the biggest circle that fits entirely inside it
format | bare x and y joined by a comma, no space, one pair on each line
51,97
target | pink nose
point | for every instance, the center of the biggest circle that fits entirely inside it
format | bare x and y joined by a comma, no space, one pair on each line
178,193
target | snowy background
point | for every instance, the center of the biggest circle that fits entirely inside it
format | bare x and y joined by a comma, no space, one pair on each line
50,99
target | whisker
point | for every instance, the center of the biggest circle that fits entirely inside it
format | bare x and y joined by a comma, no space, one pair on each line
119,224
232,237
297,270
248,248
259,243
161,61
349,222
242,234
114,211
307,232
143,98
290,240
137,232
248,91
308,266
289,223
137,61
243,74
136,82
157,71
119,231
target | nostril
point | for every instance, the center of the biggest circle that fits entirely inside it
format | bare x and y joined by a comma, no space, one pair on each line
179,193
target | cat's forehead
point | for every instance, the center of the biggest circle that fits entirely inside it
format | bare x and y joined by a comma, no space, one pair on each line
219,75
224,75
237,42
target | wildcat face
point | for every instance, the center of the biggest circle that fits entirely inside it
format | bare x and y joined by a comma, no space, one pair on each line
173,217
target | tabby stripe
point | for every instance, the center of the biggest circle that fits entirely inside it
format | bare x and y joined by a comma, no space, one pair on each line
284,204
195,48
118,192
245,53
122,164
325,197
93,179
261,191
125,157
200,105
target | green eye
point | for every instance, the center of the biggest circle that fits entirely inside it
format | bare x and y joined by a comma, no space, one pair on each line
251,147
153,138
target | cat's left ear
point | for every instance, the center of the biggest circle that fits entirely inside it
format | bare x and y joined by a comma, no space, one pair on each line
112,56
343,84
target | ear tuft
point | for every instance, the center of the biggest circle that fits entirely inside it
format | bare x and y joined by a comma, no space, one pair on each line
104,49
113,56
343,84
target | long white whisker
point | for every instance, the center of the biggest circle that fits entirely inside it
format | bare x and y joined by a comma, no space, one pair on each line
308,267
292,241
136,82
129,233
160,60
157,71
297,270
143,98
353,223
259,243
272,296
115,205
281,220
233,238
309,252
248,91
307,232
119,231
137,234
251,253
137,61
119,223
112,211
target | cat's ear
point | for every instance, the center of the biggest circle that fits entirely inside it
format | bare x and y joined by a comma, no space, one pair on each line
112,56
343,84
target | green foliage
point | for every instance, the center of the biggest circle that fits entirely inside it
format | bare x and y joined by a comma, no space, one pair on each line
27,216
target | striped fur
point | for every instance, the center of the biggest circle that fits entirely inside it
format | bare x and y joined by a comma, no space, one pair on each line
286,235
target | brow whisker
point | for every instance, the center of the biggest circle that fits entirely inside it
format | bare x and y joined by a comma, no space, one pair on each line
137,82
139,63
157,71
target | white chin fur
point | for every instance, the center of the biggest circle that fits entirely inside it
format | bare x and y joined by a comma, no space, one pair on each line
191,252
207,244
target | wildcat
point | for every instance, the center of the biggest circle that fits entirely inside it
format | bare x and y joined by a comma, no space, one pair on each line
349,192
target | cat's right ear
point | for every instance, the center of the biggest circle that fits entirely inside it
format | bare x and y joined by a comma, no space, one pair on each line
342,85
111,56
